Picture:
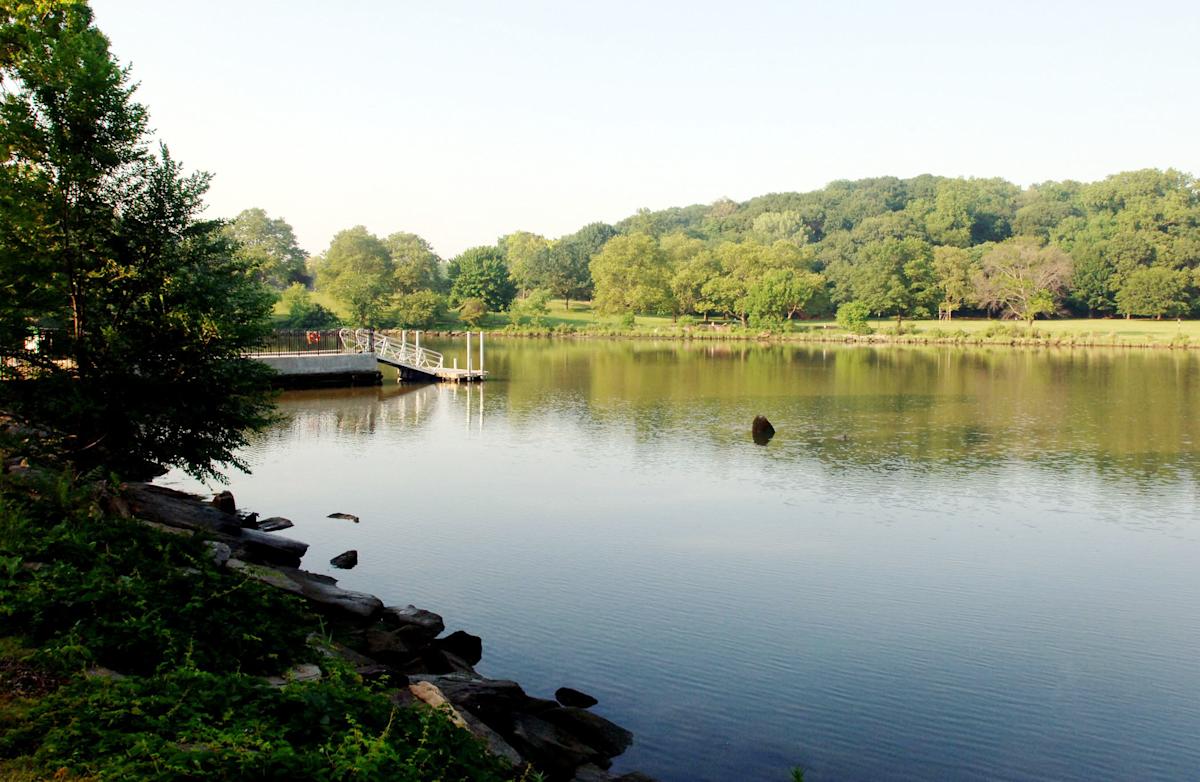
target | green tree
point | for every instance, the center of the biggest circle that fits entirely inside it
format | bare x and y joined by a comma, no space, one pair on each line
895,277
781,294
269,246
1023,279
102,238
692,264
418,310
528,258
1154,292
532,309
415,266
954,270
632,275
357,270
301,312
480,273
569,276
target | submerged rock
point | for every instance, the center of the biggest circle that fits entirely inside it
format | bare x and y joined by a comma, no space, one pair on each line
346,516
345,560
571,697
761,430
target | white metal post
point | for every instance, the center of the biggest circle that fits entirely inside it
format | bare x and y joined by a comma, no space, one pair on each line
468,352
417,336
481,352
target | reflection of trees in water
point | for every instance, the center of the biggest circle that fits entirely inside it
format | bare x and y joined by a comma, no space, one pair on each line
1128,414
360,411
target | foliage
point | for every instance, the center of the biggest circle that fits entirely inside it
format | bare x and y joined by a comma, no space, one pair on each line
569,275
528,258
781,294
631,275
415,266
532,309
101,240
418,310
1154,292
358,270
268,246
301,312
895,277
472,311
1023,279
189,641
480,273
852,316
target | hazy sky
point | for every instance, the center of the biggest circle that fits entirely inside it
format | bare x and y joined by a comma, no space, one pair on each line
464,121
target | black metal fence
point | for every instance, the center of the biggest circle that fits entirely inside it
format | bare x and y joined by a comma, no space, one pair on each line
300,341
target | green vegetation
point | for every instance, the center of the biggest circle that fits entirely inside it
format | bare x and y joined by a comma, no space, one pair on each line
123,316
80,589
909,249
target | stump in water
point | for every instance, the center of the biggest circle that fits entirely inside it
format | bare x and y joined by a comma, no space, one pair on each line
761,430
345,560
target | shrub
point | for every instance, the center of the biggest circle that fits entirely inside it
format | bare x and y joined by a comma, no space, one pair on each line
852,316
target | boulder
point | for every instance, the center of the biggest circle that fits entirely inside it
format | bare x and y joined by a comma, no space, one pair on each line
220,552
250,521
274,524
428,693
608,738
223,501
761,430
549,747
463,644
304,672
570,697
320,590
345,560
416,624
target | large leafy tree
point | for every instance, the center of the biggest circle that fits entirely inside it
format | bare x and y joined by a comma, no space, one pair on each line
1154,292
632,274
480,273
569,275
357,269
415,266
268,244
148,308
896,277
1022,278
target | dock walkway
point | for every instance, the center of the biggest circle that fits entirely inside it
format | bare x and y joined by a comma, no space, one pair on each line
413,361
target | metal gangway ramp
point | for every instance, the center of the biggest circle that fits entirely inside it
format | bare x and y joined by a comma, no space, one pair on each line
413,361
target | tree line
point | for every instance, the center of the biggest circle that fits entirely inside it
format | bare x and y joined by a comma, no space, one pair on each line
907,248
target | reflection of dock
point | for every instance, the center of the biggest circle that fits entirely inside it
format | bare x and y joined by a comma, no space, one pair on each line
410,359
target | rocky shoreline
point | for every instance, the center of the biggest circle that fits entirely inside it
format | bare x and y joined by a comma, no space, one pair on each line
403,647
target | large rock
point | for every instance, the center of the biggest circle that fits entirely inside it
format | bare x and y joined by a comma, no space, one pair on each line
464,645
428,693
346,560
571,697
274,524
761,430
319,590
550,747
608,738
223,501
416,625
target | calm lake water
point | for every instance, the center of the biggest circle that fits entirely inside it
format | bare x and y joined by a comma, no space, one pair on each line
948,564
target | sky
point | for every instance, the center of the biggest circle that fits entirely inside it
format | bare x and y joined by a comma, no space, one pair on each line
465,121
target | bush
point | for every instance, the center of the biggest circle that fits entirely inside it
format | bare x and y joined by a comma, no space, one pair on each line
301,312
627,321
418,310
852,316
471,311
531,310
